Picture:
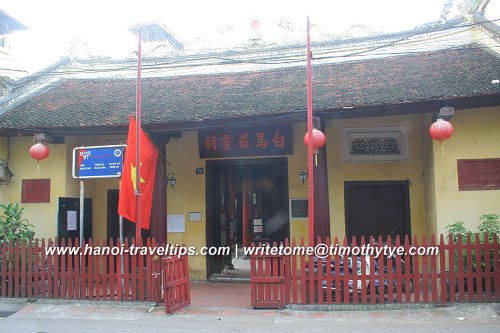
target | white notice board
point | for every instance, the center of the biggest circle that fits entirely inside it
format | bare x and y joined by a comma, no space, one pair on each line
176,223
71,220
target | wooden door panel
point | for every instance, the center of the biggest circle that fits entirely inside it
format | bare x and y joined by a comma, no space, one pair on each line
377,209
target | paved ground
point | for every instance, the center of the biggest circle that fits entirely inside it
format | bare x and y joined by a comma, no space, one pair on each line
214,309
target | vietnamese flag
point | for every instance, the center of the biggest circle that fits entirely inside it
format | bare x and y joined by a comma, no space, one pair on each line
149,157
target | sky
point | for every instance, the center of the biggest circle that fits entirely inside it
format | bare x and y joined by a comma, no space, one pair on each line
100,27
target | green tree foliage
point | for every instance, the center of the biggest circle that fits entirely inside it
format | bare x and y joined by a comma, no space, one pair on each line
489,225
13,227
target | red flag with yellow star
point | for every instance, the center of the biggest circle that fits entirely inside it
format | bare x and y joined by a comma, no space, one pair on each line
149,157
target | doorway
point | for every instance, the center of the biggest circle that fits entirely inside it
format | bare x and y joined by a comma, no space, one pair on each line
113,221
247,201
377,208
68,218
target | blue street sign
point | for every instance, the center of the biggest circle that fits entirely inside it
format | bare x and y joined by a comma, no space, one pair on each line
98,162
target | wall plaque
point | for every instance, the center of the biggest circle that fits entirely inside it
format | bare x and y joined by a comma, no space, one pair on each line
299,208
478,174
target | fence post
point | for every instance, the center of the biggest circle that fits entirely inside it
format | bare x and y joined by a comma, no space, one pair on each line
408,276
496,268
442,270
287,276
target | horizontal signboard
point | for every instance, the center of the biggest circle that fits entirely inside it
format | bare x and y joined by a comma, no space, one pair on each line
273,140
98,162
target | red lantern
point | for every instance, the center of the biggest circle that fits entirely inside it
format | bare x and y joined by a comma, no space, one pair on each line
39,152
255,24
319,140
441,130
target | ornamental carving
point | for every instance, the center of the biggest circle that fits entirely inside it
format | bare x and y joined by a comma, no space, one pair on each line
375,145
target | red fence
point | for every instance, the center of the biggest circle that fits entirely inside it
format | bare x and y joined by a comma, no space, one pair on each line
28,270
465,271
176,283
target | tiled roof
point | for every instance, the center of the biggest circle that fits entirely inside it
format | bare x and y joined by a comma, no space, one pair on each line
410,78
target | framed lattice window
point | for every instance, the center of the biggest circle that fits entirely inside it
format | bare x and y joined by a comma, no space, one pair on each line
35,191
376,144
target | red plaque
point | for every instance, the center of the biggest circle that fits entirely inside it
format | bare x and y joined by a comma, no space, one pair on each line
35,191
478,174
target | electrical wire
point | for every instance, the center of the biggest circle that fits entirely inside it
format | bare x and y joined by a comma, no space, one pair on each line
193,61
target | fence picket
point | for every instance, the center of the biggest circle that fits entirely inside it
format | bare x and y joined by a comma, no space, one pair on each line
69,272
62,276
287,282
469,274
434,278
425,274
126,270
409,277
36,270
444,292
487,270
253,272
140,295
373,277
3,259
311,280
303,277
23,259
294,275
79,263
451,268
496,268
17,263
328,265
149,278
365,281
381,276
391,282
479,274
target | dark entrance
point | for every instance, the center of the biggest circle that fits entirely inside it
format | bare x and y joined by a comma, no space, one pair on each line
377,209
247,200
68,218
113,222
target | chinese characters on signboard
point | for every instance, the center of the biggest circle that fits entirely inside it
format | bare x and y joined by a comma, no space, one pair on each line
248,141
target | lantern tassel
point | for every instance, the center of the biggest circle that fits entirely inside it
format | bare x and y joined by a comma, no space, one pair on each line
442,147
38,166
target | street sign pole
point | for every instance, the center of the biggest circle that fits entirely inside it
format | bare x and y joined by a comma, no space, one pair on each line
121,257
82,204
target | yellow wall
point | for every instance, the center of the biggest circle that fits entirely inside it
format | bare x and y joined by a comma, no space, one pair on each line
297,190
57,167
3,148
476,135
42,215
429,178
188,195
340,171
434,197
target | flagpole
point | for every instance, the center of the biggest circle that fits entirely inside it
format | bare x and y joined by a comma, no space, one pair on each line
310,164
138,144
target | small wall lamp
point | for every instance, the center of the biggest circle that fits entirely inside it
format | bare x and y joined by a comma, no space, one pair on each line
303,174
171,179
